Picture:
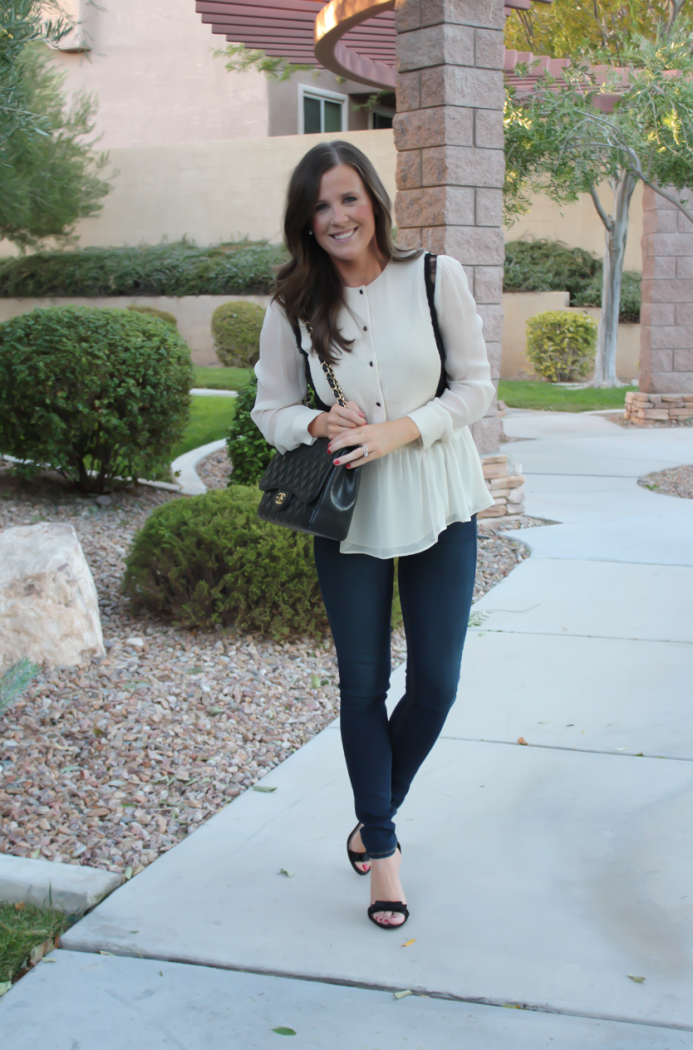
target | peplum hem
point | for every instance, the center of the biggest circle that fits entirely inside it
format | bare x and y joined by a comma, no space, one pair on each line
413,494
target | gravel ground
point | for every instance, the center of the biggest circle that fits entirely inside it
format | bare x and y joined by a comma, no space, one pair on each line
112,764
677,481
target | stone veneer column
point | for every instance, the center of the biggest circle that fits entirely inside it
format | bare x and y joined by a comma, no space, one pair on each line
450,163
666,318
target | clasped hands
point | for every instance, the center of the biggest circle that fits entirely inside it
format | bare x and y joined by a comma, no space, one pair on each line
346,427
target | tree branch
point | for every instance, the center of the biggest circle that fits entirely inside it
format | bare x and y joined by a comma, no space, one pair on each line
608,223
671,198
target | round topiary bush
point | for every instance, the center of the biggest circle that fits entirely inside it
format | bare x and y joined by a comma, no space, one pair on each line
210,561
151,311
236,329
245,446
92,393
561,345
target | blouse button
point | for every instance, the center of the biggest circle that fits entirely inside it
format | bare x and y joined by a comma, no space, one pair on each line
371,364
365,328
360,291
378,404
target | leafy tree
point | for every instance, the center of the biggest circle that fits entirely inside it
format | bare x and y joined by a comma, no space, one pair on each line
22,22
564,139
242,59
601,28
49,177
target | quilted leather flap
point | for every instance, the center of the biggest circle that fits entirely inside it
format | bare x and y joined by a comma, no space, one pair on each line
302,472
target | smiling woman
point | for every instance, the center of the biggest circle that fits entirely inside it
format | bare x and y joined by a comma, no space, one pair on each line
352,312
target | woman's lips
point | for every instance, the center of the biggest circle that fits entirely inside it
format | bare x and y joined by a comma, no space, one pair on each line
344,235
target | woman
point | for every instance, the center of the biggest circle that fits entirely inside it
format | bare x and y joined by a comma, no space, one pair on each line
360,303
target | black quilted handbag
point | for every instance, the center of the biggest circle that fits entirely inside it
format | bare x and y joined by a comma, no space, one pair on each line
303,489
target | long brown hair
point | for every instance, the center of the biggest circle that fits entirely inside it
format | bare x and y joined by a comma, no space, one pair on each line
308,286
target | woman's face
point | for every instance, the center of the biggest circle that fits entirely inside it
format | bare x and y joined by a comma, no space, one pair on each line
343,220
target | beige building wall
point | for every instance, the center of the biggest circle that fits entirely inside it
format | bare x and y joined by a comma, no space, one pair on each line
212,191
578,225
518,307
150,64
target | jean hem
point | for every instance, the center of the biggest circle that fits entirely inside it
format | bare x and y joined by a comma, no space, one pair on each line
382,856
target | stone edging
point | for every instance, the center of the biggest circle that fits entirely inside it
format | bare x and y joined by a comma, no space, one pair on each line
73,888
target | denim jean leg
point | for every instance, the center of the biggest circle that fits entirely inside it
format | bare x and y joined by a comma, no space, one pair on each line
436,589
357,591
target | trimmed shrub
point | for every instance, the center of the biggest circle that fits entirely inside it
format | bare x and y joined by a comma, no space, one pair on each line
561,345
180,268
151,311
246,447
86,389
210,561
551,266
236,329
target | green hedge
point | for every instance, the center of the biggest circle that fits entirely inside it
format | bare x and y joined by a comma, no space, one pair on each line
210,561
236,330
246,448
561,345
174,269
550,266
86,389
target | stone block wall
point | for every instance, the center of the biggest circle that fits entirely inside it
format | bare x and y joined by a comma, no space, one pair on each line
644,408
505,485
666,318
450,163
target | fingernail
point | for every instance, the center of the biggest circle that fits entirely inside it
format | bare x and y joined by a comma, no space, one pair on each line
337,462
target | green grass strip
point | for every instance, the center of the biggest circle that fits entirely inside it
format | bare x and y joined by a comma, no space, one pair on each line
221,378
210,419
547,397
22,930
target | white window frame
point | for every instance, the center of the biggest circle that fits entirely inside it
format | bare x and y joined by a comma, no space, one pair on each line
383,111
321,94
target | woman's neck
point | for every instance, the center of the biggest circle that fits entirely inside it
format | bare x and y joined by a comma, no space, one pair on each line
363,270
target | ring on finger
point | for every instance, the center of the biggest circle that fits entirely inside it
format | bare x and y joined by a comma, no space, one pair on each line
365,451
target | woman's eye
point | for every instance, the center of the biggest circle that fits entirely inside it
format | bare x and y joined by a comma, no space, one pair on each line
320,207
350,199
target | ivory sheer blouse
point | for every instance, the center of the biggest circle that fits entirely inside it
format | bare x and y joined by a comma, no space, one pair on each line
406,499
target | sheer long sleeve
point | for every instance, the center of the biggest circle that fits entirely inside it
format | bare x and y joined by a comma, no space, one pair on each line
281,386
470,390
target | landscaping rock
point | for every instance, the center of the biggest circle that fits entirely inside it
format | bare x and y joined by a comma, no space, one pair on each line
72,888
48,604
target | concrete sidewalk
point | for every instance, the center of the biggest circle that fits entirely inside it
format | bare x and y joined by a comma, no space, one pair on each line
543,877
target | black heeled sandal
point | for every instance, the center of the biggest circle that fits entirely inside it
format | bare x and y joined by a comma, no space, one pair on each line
355,857
396,906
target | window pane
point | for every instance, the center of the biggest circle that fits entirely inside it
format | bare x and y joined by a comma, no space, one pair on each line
381,121
333,116
311,115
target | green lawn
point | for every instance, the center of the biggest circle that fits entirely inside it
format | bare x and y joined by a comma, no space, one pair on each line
221,378
525,393
21,931
210,418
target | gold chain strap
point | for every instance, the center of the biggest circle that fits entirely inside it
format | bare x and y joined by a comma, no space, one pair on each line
331,377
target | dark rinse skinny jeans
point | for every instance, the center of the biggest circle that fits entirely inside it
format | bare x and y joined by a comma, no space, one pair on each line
435,588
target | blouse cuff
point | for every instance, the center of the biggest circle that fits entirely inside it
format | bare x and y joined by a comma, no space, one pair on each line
298,433
431,424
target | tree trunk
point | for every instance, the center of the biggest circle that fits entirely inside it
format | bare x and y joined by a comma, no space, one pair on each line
616,236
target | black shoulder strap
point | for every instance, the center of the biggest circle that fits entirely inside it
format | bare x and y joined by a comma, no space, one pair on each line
309,378
430,265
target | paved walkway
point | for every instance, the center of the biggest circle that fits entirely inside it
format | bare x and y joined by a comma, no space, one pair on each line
538,876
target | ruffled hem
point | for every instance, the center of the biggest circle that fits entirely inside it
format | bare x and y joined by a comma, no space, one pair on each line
408,498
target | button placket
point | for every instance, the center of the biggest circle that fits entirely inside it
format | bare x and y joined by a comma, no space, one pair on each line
367,338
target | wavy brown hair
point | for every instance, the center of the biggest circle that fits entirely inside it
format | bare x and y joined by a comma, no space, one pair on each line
308,286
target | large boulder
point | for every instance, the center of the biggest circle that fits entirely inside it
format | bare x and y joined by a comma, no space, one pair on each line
48,606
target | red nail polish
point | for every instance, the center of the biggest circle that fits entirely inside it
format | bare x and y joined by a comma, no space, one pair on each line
337,462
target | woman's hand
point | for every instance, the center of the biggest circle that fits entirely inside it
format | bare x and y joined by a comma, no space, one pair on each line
378,438
331,424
